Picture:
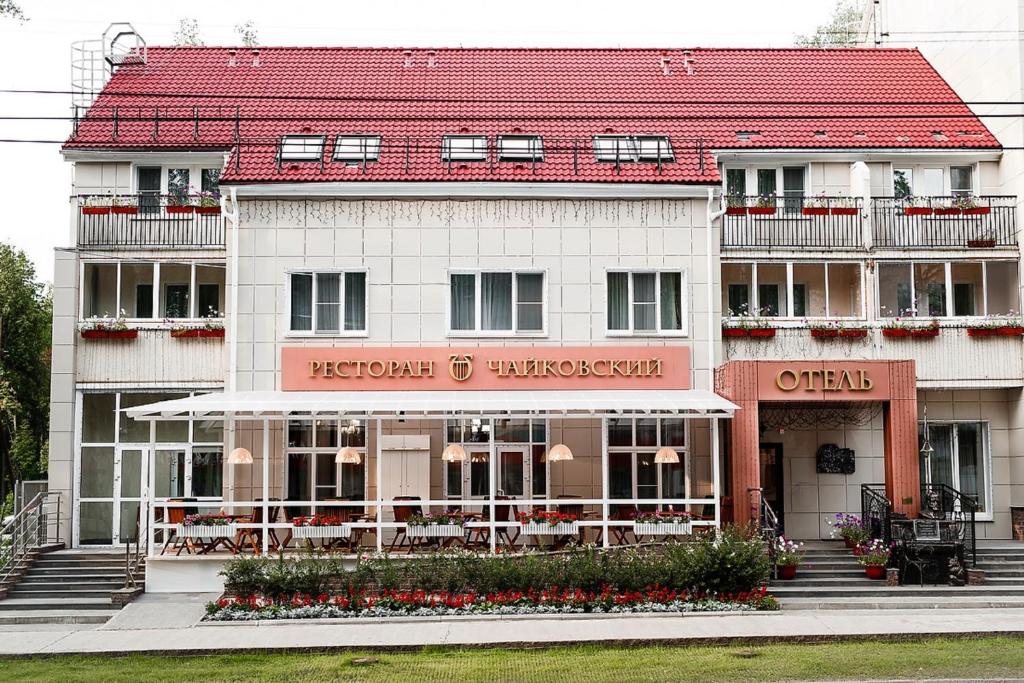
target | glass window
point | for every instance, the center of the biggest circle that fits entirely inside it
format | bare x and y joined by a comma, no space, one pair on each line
178,182
302,148
615,148
930,285
961,180
95,523
736,278
496,301
207,472
99,290
644,302
355,302
209,291
176,283
771,289
618,301
958,459
507,302
453,479
137,290
170,473
654,301
357,148
540,470
530,302
464,148
512,431
300,434
620,475
844,290
520,148
736,182
463,301
653,148
903,182
98,418
211,180
632,444
327,301
766,183
793,188
1002,289
298,476
97,472
301,302
895,293
809,290
967,288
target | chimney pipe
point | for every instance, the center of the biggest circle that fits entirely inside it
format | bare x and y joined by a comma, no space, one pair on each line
407,61
232,57
255,56
666,62
432,58
688,61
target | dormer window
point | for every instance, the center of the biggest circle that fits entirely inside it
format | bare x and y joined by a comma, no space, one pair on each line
632,148
357,148
464,148
520,148
302,147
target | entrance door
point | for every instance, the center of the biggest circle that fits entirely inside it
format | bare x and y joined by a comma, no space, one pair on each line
111,492
770,457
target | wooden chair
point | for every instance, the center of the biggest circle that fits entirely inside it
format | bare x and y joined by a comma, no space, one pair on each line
253,536
402,515
176,515
620,513
506,513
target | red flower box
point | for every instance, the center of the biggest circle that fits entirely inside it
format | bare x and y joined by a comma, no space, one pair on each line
977,211
981,244
761,332
948,211
895,332
197,332
981,332
1011,331
736,211
925,332
845,210
95,210
124,210
110,334
728,332
824,332
814,211
853,334
761,211
208,210
917,211
180,209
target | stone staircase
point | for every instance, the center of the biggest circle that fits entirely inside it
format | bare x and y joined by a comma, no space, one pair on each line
66,587
831,578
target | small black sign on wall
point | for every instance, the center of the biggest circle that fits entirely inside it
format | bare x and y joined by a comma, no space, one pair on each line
832,459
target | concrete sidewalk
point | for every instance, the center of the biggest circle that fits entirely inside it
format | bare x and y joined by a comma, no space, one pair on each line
170,623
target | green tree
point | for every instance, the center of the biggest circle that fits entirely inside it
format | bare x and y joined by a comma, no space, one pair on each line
188,33
9,9
26,312
247,34
842,30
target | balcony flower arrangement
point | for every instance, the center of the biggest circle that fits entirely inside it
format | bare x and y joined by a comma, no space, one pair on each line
179,203
764,206
850,528
212,327
542,523
916,206
969,206
836,329
913,327
815,206
746,323
843,206
124,205
207,526
208,203
96,205
874,556
788,556
947,207
434,525
319,526
107,327
1009,325
663,523
735,205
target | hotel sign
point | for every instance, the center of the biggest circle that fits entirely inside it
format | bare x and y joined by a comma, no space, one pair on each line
825,379
444,368
822,381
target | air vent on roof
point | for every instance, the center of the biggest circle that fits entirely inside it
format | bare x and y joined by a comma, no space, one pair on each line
431,58
820,134
232,57
688,62
255,56
747,134
939,135
666,64
407,58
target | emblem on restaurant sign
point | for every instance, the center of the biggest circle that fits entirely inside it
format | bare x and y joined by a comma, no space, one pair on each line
460,366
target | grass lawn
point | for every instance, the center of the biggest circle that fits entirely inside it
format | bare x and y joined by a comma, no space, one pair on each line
936,658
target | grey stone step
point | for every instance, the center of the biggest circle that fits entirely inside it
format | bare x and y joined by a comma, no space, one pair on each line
56,616
851,572
32,584
33,577
16,604
881,590
905,603
824,582
67,593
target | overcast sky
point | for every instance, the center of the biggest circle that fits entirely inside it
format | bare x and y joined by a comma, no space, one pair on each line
35,182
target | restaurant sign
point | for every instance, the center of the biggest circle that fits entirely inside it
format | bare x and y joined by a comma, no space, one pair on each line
484,368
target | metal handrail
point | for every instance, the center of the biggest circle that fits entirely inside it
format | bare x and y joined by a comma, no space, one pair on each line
766,519
31,528
133,561
957,506
876,511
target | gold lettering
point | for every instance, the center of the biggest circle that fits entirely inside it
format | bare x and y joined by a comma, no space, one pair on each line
595,371
828,380
549,368
845,378
376,368
793,383
530,367
329,370
314,365
654,367
561,368
865,381
584,369
811,376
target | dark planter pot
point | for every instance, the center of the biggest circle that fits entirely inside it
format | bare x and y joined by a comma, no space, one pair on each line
947,212
844,211
875,571
761,211
124,210
180,209
850,543
814,211
977,211
761,332
981,244
110,334
733,332
208,210
787,571
197,333
917,211
95,210
898,332
736,211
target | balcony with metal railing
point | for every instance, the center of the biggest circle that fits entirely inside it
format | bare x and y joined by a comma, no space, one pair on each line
944,222
793,222
150,220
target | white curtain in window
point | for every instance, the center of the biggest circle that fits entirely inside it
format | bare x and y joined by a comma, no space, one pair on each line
496,301
355,301
644,313
463,293
328,302
671,301
530,301
618,301
302,302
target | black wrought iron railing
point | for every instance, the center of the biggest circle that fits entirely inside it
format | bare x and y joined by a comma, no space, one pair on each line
876,511
792,221
944,222
961,510
766,519
150,220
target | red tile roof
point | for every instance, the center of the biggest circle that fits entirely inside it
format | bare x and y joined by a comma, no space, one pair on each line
792,98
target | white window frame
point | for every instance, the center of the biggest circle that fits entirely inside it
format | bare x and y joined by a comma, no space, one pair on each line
289,332
684,303
478,332
634,451
948,279
484,447
360,148
474,153
630,149
195,179
754,295
986,457
532,151
917,181
301,147
313,450
158,288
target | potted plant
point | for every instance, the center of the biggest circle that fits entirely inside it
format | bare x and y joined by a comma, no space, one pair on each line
969,206
207,526
735,205
911,327
765,206
836,329
916,206
873,556
1009,325
744,323
541,523
663,523
319,527
844,206
435,525
213,327
107,327
179,203
96,206
124,205
209,203
788,556
848,527
815,206
947,208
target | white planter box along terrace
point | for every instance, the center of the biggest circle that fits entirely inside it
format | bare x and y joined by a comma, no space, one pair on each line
662,528
545,529
434,531
206,530
321,532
